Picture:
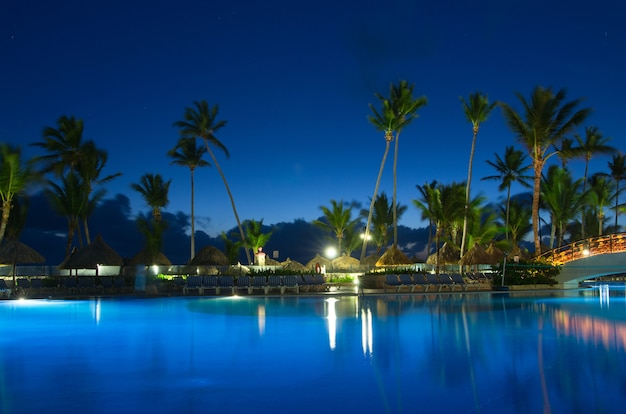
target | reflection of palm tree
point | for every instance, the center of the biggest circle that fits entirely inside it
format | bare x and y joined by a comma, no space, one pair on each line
188,154
201,122
547,120
15,178
593,143
476,110
155,193
510,169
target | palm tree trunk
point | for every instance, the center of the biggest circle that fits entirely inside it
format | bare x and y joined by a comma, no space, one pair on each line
616,205
193,220
369,215
395,187
6,210
537,167
232,201
508,207
467,191
582,216
86,227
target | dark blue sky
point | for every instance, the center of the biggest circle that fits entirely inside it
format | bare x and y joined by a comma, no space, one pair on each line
294,81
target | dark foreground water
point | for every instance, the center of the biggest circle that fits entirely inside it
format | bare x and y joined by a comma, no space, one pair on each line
473,353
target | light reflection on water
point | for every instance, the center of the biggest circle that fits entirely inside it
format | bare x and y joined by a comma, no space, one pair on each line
484,353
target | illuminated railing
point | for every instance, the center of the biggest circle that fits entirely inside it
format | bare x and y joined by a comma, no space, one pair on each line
611,243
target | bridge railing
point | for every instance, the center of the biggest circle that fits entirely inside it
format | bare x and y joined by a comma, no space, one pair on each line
610,243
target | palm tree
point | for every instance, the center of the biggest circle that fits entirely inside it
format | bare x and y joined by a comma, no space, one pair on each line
231,248
201,122
382,220
562,197
520,220
511,169
15,178
476,110
396,112
187,154
256,237
593,143
428,192
155,192
617,166
337,219
601,193
68,200
63,144
547,120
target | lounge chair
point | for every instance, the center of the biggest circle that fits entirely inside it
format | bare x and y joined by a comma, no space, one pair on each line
459,281
210,282
290,282
119,284
4,289
86,284
259,282
23,285
392,282
406,280
243,283
193,283
433,281
419,279
274,282
226,282
70,284
106,283
446,281
36,285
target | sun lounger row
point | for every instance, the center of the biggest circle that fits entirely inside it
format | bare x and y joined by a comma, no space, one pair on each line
425,282
250,284
74,285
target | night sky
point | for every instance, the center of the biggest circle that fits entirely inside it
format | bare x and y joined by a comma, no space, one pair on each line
294,80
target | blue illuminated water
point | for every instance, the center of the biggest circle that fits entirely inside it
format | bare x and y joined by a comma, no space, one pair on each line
472,353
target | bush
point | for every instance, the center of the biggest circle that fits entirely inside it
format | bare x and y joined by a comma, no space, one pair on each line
529,272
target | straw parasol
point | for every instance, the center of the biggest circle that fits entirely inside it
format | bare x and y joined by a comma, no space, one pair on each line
13,252
292,265
475,256
447,255
209,256
318,260
345,262
97,253
496,253
146,258
370,260
393,257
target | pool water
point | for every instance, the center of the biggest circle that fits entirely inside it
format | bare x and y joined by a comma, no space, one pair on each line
461,353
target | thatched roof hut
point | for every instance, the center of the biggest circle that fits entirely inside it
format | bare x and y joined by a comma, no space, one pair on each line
476,256
345,262
318,260
496,253
393,257
447,255
97,253
209,256
293,265
150,259
370,260
15,252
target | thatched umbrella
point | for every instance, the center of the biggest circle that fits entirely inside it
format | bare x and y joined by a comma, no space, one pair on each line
292,265
370,260
209,256
495,253
97,253
13,252
475,256
345,262
145,258
393,257
318,260
447,255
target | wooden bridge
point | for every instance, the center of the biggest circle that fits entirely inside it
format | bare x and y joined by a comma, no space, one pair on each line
589,258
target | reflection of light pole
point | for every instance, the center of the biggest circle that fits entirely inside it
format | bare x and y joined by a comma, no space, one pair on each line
504,267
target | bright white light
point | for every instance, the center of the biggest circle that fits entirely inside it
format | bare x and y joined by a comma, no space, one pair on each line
331,252
586,252
369,236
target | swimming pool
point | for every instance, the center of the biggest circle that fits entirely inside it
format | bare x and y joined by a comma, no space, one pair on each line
487,353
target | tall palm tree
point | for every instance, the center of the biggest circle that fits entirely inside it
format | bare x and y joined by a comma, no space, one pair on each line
520,220
187,154
256,237
477,110
337,219
63,145
382,220
511,169
201,121
397,111
155,192
547,119
15,178
617,167
593,143
427,192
